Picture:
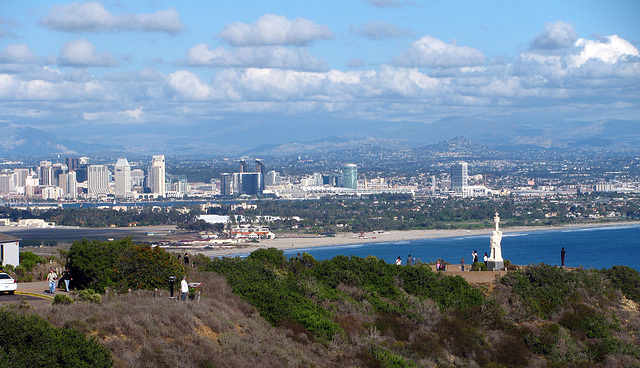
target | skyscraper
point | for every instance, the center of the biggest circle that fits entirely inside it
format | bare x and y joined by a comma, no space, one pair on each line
350,176
226,184
262,169
122,178
97,179
460,177
157,176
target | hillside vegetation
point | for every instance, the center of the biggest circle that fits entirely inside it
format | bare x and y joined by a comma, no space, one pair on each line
267,310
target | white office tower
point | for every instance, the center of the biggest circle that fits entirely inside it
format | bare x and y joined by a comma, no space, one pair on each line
460,177
69,185
97,180
272,178
72,185
157,176
122,172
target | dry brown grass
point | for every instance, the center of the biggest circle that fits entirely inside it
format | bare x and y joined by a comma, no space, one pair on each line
219,331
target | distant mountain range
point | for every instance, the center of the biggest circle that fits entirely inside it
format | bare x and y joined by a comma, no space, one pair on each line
321,137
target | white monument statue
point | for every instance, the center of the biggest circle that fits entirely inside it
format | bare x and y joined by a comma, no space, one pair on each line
495,261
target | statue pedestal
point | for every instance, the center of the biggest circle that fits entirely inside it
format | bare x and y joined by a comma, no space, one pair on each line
493,265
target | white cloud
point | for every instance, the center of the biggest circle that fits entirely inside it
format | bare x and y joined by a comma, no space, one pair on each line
18,53
258,57
431,52
556,35
93,17
610,50
82,53
378,30
274,29
189,86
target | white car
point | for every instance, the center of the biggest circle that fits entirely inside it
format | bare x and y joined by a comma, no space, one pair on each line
8,283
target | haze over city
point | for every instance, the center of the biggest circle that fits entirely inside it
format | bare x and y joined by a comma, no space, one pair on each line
225,77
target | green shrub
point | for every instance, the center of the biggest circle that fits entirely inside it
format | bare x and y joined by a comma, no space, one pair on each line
479,266
29,341
89,296
62,299
626,279
29,260
120,264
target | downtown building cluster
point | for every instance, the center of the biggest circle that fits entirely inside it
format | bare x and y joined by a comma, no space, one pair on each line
77,178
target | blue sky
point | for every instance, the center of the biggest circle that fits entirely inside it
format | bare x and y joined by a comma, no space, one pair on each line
150,68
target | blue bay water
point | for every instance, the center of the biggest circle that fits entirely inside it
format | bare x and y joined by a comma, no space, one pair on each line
598,247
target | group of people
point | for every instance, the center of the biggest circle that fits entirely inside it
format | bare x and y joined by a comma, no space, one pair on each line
410,261
52,277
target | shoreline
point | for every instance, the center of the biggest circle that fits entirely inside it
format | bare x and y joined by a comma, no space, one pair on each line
294,242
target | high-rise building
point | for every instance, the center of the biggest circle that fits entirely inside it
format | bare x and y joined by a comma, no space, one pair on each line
69,184
350,176
72,163
226,185
272,178
243,166
247,183
122,173
262,169
460,177
157,176
97,179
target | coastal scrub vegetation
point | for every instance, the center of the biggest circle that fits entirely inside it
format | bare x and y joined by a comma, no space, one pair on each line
30,341
270,310
121,265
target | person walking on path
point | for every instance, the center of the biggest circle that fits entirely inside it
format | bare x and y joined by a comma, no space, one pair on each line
51,278
184,288
186,259
66,277
562,254
462,264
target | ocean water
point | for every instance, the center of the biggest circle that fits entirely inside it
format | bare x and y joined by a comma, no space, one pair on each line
598,247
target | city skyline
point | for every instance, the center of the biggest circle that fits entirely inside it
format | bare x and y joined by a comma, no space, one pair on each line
158,73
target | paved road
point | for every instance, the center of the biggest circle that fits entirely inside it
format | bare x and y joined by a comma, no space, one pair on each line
33,291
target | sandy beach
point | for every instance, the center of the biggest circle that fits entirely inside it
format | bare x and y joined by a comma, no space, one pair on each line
306,241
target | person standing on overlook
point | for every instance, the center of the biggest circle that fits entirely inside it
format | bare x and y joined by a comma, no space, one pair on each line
562,254
398,261
462,264
409,261
184,288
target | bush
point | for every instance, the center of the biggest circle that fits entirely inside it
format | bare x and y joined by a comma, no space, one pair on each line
62,299
29,341
479,266
626,279
28,260
89,296
121,264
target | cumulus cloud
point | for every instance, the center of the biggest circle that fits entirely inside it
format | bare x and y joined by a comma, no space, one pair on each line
610,50
82,53
432,52
378,30
189,86
274,29
18,53
556,35
259,57
93,17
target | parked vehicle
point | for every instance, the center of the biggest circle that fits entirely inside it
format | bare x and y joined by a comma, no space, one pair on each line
8,283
